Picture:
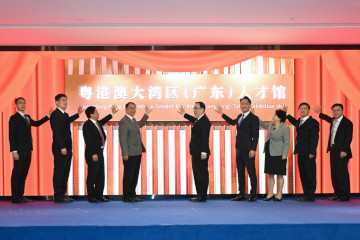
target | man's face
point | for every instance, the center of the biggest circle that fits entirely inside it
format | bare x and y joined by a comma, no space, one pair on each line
95,116
62,103
303,110
245,105
337,111
131,110
198,111
21,105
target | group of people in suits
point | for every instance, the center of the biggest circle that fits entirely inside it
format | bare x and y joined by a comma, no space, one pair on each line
276,149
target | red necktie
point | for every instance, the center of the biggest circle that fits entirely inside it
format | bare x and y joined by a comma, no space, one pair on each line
101,133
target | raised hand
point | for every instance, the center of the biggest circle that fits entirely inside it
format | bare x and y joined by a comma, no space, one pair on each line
147,110
317,109
285,108
181,110
51,109
114,109
80,109
218,109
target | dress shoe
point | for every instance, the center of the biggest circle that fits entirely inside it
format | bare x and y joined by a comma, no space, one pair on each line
343,199
333,198
61,200
300,199
93,200
198,199
17,200
308,199
103,199
238,198
128,199
26,200
193,198
252,199
277,199
137,199
69,199
268,199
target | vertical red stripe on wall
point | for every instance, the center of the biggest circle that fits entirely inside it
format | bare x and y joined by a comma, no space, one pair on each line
177,161
211,163
110,150
188,161
143,164
155,159
222,160
166,159
75,132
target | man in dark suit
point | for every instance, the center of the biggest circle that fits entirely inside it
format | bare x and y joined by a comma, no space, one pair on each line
62,147
199,149
340,137
246,143
132,148
306,142
94,136
21,147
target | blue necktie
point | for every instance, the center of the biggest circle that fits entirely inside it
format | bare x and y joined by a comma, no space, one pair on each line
241,120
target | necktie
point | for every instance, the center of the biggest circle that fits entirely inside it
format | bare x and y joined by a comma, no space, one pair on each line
241,120
333,132
134,120
27,120
101,134
301,122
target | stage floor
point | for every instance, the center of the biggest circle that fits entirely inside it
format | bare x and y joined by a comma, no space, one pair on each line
185,217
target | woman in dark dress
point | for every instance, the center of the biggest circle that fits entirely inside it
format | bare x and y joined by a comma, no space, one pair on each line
276,150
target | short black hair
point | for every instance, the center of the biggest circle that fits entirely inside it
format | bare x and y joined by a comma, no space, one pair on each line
19,98
338,105
90,110
126,105
281,114
59,96
304,103
246,97
202,105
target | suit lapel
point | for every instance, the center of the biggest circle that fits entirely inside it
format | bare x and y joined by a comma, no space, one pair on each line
22,119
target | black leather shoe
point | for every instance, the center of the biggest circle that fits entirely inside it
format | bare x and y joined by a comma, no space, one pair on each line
193,198
300,199
93,200
61,200
17,200
308,199
238,198
268,199
333,198
343,199
252,199
69,199
137,199
277,199
103,199
128,199
198,199
26,200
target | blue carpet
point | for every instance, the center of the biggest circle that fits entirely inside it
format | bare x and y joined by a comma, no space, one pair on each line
179,219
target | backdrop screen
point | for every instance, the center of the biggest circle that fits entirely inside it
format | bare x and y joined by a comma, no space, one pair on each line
165,93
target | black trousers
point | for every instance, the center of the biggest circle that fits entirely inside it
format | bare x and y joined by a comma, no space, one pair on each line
19,174
340,174
131,175
62,164
243,160
307,170
95,180
201,174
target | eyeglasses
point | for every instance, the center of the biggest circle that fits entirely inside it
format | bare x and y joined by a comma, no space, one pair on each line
196,108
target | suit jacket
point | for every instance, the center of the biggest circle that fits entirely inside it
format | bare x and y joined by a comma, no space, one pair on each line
200,133
92,137
247,136
307,135
343,135
20,133
60,125
130,136
279,138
